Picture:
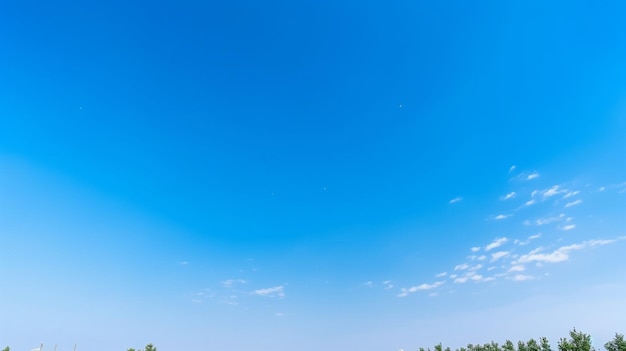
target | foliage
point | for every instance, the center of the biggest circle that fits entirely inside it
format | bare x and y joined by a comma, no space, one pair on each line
617,344
6,349
149,347
578,341
545,344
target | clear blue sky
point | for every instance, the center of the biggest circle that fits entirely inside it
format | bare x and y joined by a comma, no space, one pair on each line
310,175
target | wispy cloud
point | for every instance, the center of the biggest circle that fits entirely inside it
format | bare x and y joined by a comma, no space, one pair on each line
406,291
456,199
498,255
496,243
277,291
501,217
517,268
561,254
183,263
512,168
528,240
573,203
475,249
522,277
525,176
442,274
508,196
548,220
230,282
461,267
461,280
532,175
571,193
568,227
548,193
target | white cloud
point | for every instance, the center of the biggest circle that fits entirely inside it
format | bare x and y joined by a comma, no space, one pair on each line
532,237
532,176
554,190
476,277
476,267
461,280
496,243
475,249
369,284
512,168
405,291
517,268
603,242
522,277
277,291
442,274
602,189
498,255
508,196
229,283
461,267
529,202
548,220
481,258
568,227
388,285
573,203
453,276
501,216
183,263
561,254
571,193
456,199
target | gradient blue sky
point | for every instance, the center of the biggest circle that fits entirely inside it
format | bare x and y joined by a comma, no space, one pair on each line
312,175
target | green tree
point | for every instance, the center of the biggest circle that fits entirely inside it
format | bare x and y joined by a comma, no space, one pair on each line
545,344
532,345
131,349
6,349
578,341
508,346
617,344
150,347
521,346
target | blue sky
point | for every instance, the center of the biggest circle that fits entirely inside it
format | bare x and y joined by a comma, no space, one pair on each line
310,175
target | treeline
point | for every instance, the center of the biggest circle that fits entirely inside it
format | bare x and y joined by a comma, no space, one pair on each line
577,341
149,347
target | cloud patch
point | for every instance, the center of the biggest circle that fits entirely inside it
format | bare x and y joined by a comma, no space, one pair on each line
508,196
455,200
573,203
406,291
277,291
496,243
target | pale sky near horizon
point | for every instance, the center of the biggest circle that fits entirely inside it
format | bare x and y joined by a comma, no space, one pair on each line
310,175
